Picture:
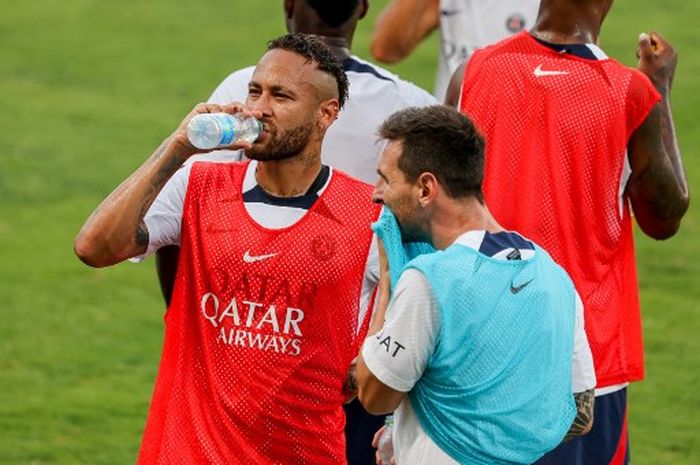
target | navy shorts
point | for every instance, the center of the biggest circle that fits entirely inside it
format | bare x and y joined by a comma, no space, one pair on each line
606,444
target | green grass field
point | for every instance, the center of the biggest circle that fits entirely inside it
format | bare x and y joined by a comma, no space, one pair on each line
89,88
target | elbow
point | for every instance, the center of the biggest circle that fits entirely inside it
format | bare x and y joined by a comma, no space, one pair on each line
84,250
89,252
374,396
666,225
665,228
374,404
663,231
385,53
675,223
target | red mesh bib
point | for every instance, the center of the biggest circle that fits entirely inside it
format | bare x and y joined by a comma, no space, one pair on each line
556,139
262,328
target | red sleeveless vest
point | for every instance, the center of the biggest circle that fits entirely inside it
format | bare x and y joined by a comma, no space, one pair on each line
262,328
556,128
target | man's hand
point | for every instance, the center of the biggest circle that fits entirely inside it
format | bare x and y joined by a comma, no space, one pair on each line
181,144
658,60
375,444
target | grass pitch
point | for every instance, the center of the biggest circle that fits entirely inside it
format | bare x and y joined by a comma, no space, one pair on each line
89,89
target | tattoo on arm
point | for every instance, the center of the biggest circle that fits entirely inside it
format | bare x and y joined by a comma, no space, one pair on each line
141,237
350,387
584,415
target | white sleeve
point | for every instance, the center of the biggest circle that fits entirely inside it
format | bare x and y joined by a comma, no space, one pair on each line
582,372
399,353
164,218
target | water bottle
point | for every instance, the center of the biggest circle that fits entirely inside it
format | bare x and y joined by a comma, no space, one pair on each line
385,445
211,130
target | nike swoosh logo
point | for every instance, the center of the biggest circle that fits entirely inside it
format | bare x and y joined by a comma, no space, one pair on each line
539,72
516,289
248,258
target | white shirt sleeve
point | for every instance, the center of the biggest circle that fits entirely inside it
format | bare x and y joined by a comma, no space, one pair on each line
582,371
398,355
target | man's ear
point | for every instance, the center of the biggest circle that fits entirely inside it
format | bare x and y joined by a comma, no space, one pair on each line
428,185
328,112
364,8
288,8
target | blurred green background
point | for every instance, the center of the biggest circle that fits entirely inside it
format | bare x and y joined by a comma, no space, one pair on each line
89,88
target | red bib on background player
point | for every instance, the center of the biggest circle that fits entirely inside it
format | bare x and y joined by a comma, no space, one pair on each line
556,128
262,328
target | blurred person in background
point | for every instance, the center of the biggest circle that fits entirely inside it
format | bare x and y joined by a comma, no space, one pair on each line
576,144
465,25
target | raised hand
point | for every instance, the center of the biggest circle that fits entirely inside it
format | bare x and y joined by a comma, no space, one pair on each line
657,59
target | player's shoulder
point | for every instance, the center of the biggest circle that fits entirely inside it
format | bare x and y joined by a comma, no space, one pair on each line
514,43
362,73
234,87
357,67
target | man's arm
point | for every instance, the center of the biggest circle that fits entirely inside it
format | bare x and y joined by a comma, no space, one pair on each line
116,231
401,26
394,358
234,88
583,422
383,290
583,379
657,187
376,397
454,88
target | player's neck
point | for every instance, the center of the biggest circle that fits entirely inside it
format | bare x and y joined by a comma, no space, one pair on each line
340,46
451,220
291,177
568,26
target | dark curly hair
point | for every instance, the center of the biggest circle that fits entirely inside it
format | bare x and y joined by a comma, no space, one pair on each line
313,49
439,140
334,12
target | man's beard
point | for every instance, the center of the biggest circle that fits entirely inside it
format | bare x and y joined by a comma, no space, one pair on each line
281,145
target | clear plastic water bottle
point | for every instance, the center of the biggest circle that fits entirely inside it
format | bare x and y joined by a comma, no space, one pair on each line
211,130
385,445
